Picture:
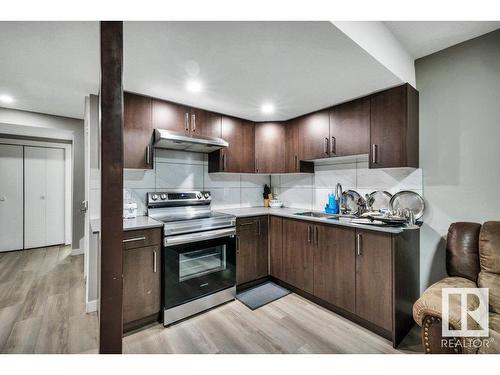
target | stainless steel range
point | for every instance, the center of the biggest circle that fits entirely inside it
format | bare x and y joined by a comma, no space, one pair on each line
199,253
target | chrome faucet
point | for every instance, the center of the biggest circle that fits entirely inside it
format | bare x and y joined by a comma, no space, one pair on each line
338,196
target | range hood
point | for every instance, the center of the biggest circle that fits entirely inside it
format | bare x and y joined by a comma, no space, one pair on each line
179,141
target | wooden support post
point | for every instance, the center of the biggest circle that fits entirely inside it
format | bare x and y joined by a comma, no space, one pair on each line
111,105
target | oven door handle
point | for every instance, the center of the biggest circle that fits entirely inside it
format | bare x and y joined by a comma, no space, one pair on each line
200,236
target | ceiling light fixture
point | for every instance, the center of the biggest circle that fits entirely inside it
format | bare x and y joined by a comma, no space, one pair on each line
194,86
7,99
267,108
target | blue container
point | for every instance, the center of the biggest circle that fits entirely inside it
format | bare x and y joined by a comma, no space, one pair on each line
332,206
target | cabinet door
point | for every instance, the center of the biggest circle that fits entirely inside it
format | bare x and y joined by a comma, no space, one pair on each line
292,146
137,131
141,283
170,116
248,147
262,253
350,128
205,123
11,197
298,254
232,156
314,135
246,248
374,277
394,128
269,147
276,247
334,266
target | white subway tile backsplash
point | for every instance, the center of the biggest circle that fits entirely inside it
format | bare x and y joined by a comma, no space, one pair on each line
177,176
225,198
138,196
138,179
330,175
254,181
297,180
220,180
297,197
251,197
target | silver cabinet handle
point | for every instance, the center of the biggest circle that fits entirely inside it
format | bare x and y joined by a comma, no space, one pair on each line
316,235
334,145
133,239
154,261
148,155
186,122
193,122
256,164
358,244
296,163
309,234
237,244
325,145
224,161
374,153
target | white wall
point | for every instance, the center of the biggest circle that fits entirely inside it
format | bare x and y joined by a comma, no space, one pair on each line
56,127
184,171
459,142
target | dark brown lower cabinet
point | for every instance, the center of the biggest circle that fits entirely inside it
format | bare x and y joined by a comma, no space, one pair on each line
298,256
251,249
141,278
276,247
374,277
334,265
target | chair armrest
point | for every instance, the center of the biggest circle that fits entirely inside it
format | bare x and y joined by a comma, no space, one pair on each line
430,301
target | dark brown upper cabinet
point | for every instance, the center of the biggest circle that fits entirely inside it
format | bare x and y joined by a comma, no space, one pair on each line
293,162
205,123
350,128
170,116
137,132
238,157
270,147
394,128
314,135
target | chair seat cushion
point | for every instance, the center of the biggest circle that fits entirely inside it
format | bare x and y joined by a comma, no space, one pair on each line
492,344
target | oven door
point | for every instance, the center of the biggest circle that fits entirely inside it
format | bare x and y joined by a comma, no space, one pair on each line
198,264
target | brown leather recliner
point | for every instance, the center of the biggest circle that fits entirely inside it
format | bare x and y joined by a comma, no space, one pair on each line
472,260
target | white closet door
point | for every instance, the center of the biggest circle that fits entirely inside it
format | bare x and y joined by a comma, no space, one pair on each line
34,197
11,197
54,196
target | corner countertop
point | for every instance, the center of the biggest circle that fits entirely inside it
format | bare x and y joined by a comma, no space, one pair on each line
140,222
289,212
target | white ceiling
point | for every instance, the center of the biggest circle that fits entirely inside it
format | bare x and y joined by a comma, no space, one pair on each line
421,38
49,67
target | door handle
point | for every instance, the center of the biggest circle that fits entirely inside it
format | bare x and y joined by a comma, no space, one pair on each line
154,262
358,244
334,145
224,161
148,155
186,122
193,122
296,163
374,153
316,235
309,234
237,244
257,165
325,145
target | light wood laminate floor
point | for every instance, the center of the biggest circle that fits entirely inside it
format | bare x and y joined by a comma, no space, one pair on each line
42,310
42,303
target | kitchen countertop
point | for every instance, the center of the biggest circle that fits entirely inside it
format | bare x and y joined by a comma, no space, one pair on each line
140,222
290,213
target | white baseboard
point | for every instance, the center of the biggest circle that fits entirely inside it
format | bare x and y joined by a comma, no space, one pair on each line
76,251
91,306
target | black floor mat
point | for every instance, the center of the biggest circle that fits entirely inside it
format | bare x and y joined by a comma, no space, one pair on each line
261,295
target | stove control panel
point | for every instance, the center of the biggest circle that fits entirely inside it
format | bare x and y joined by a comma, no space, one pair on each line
178,198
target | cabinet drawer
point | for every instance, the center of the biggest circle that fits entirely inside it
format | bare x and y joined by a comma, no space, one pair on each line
246,223
141,238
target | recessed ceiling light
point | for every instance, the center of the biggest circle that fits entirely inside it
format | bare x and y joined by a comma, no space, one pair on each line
194,86
267,108
6,99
